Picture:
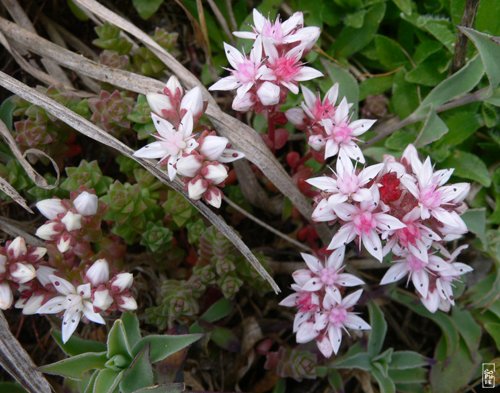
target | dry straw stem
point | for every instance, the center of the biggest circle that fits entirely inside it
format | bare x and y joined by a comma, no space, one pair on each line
90,130
16,361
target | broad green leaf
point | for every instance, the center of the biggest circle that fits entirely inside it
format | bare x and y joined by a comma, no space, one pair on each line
461,125
139,374
382,361
469,166
404,5
11,387
374,86
107,381
351,40
355,19
431,71
117,340
457,84
490,115
475,219
378,331
468,328
215,312
493,329
489,52
146,8
432,130
389,52
425,49
404,98
89,383
410,388
414,375
7,111
402,360
76,345
132,328
455,372
226,339
440,28
348,86
384,382
162,346
335,380
75,366
359,360
401,139
486,19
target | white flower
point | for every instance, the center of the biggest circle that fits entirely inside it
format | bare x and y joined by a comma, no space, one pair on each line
86,203
213,197
75,302
243,102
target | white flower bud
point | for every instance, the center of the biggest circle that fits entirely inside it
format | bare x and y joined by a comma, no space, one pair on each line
47,231
193,101
216,173
213,197
269,94
32,305
243,102
157,102
295,116
188,165
213,146
64,243
316,142
22,272
122,281
173,84
102,299
196,188
86,203
72,221
6,297
98,273
127,303
17,247
50,208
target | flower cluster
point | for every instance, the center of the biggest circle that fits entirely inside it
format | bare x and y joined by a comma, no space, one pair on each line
405,204
328,126
323,312
66,277
198,158
274,66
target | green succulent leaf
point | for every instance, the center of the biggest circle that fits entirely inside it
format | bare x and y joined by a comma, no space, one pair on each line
75,366
360,360
378,331
403,360
117,340
139,374
132,328
348,86
162,346
76,346
469,166
107,381
385,384
432,130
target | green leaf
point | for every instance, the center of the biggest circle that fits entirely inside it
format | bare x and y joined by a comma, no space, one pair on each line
432,130
431,71
405,98
404,5
146,8
107,381
164,388
335,380
75,366
11,387
489,52
378,331
456,85
7,111
162,346
486,19
469,166
348,86
351,40
374,86
461,125
402,360
475,219
76,346
360,360
355,19
139,374
225,338
389,52
88,383
77,11
132,328
215,312
384,382
468,328
493,329
117,340
414,375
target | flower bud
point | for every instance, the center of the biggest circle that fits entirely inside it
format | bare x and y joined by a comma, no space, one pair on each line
159,102
72,221
316,142
98,273
43,273
296,116
50,208
102,299
127,303
269,94
216,173
243,102
196,188
17,247
173,85
47,231
64,243
86,204
213,146
193,101
6,297
213,197
32,305
121,282
22,273
188,166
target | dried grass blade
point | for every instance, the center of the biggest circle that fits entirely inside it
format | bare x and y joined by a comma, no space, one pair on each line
16,361
7,188
92,131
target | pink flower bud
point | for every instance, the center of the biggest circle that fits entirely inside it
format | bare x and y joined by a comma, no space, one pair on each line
213,197
37,254
72,221
173,85
269,94
50,208
98,273
188,166
196,188
216,173
22,273
86,204
213,146
47,231
17,247
6,297
121,282
102,299
127,303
